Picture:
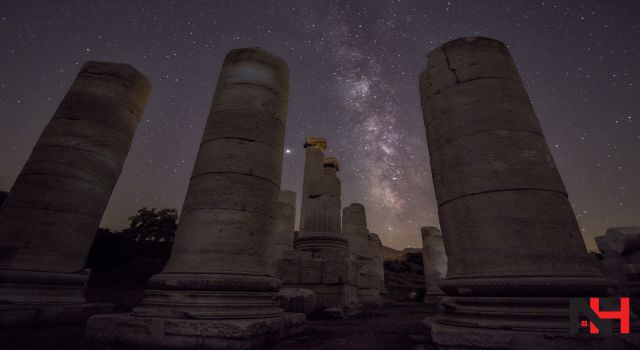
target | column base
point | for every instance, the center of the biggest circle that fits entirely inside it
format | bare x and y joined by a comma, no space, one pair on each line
232,334
34,298
323,245
528,323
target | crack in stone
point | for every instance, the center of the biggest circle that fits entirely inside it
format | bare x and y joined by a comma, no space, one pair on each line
96,123
234,173
446,57
92,216
275,92
116,162
109,74
452,140
241,139
250,110
224,208
74,179
440,205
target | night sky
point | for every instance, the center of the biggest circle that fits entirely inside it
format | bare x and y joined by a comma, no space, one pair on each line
354,70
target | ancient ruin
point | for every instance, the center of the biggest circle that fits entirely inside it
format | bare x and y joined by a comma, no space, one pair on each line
51,215
619,259
285,226
354,227
217,289
435,263
515,252
321,260
375,244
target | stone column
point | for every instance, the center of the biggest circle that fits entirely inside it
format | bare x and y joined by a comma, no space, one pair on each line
435,262
354,228
313,170
285,225
376,249
320,213
216,290
51,215
508,226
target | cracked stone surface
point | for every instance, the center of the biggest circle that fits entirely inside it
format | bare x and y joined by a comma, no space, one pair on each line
499,192
230,208
50,217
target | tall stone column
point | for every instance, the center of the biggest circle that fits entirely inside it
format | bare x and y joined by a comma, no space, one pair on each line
51,215
320,212
313,170
354,228
216,290
508,226
435,262
285,225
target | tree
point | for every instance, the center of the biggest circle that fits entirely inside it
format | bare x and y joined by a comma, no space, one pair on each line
153,225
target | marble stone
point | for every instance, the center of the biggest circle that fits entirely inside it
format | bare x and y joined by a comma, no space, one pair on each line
507,225
297,300
320,229
619,258
376,248
285,225
320,260
331,279
434,259
354,228
50,217
218,287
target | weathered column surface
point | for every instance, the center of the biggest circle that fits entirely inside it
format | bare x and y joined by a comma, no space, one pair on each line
320,211
499,192
508,226
52,212
285,225
435,261
376,249
51,215
354,228
217,288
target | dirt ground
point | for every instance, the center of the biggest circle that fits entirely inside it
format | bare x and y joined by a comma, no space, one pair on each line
396,326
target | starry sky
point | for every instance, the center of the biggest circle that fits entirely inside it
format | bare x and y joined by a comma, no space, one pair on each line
354,69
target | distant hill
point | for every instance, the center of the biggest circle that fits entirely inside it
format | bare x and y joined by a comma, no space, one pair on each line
390,253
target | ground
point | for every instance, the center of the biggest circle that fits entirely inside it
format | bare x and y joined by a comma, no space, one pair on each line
397,326
393,326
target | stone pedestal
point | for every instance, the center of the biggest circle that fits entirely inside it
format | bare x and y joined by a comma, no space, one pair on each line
331,279
435,263
508,226
218,287
51,215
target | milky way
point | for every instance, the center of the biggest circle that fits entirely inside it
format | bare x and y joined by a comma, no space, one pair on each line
354,70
